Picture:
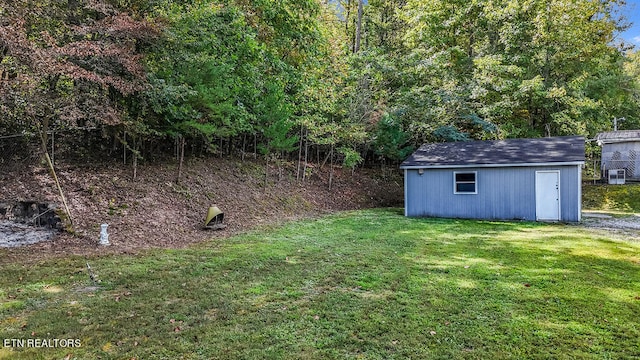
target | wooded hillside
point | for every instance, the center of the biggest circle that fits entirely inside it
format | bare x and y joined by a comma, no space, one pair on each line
341,80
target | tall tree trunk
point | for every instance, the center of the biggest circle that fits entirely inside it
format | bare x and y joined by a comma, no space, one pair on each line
244,143
331,170
124,148
299,153
346,19
181,161
279,161
356,46
266,172
53,152
306,155
135,158
326,158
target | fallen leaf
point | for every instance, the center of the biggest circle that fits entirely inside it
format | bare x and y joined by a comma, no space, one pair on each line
527,285
316,317
177,329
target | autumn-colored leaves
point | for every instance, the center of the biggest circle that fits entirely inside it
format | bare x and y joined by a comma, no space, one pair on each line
65,65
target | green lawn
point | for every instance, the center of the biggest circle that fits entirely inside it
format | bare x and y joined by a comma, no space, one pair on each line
368,284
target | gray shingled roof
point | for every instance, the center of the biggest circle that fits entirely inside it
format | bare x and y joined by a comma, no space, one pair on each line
618,136
510,152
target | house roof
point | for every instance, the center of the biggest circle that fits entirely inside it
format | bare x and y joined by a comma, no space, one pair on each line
568,150
618,136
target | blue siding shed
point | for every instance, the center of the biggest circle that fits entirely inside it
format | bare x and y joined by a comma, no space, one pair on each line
524,179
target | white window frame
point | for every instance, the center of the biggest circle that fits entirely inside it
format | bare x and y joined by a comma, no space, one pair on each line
475,182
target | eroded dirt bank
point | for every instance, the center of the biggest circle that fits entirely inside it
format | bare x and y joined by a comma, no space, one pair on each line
154,211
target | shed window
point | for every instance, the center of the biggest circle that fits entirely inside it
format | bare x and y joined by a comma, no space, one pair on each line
465,183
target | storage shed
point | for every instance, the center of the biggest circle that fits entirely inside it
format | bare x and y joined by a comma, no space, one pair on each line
620,150
525,179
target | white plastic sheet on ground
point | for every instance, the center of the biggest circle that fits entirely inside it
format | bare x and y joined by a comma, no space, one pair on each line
15,234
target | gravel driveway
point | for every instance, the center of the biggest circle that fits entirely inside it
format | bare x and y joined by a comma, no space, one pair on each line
626,226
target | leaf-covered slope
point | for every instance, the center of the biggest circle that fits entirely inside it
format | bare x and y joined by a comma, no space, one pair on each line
153,211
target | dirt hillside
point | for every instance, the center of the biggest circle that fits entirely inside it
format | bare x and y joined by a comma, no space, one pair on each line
153,211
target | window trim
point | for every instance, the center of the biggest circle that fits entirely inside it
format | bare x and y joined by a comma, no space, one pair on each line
474,182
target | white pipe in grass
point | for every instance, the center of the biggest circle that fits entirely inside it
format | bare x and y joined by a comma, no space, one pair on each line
104,236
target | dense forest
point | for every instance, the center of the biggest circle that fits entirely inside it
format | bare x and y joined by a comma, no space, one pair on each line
342,80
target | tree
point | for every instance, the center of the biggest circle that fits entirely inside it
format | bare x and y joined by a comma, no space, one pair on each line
391,141
68,64
529,67
275,119
356,45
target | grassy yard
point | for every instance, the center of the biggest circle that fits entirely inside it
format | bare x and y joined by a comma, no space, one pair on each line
612,198
367,284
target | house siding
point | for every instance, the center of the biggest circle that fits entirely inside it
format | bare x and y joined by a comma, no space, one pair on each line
622,155
503,193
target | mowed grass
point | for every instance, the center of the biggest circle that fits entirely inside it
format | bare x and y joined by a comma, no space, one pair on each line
367,284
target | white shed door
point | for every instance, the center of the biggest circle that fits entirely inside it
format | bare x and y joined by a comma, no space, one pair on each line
548,195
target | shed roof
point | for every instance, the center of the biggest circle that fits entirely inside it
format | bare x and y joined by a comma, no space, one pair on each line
618,136
511,152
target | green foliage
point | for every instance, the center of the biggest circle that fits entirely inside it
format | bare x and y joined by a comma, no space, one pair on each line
351,157
447,70
390,140
529,67
617,198
275,117
450,133
204,71
278,138
240,67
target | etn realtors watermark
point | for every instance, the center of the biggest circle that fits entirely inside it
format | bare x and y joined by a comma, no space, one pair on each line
41,343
